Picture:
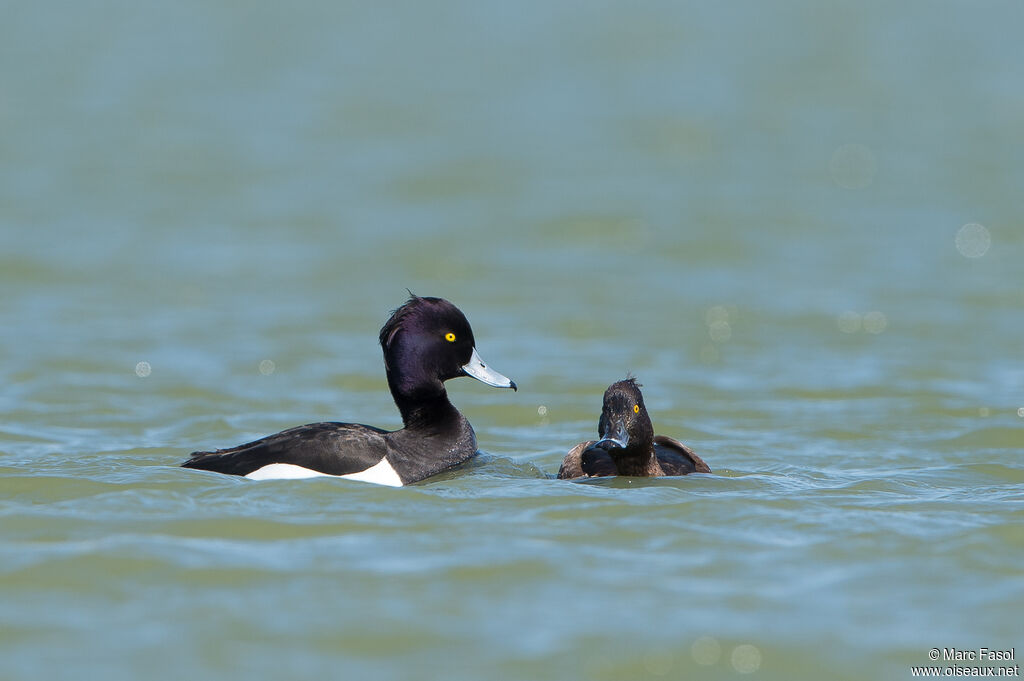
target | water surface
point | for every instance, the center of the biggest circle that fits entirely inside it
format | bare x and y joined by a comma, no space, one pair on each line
769,213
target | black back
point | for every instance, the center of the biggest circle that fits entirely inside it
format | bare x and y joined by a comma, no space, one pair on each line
675,458
332,448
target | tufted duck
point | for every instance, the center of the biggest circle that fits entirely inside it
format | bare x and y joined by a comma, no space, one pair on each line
628,445
426,342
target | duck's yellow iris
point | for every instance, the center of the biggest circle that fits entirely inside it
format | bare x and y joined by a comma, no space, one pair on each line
450,337
636,408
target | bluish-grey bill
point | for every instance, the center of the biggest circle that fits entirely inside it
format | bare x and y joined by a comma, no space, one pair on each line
476,368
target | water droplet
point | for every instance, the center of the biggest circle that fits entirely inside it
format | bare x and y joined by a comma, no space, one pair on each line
973,240
267,367
849,322
852,166
142,369
715,314
720,331
875,322
542,410
746,659
706,651
1020,412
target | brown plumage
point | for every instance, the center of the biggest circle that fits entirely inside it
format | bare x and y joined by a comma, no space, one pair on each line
628,445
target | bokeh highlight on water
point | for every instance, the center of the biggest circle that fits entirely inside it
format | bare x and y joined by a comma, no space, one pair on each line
797,223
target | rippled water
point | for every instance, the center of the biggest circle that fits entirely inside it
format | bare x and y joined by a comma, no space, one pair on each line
799,225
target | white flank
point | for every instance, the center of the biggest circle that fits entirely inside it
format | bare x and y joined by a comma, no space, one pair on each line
380,474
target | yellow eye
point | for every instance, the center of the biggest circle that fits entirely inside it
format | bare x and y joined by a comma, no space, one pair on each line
636,408
450,337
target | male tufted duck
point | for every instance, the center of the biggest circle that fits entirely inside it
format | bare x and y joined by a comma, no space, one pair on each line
425,342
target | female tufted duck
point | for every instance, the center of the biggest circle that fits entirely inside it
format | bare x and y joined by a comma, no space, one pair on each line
426,342
628,445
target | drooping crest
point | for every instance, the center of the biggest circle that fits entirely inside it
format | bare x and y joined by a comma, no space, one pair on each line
410,310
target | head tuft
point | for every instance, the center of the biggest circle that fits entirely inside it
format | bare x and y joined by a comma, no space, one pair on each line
622,395
422,313
628,384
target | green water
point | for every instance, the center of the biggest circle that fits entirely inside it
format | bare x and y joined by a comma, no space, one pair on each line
763,210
